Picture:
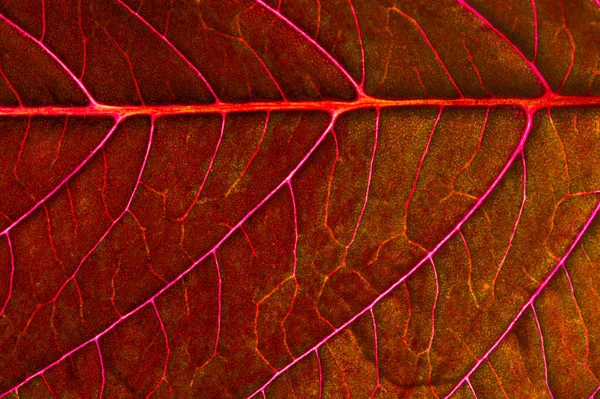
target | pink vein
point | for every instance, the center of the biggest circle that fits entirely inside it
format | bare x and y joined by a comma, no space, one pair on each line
362,47
101,368
295,226
417,266
572,62
377,380
598,388
335,62
587,334
530,301
175,49
334,116
54,57
369,178
66,179
208,170
320,374
113,224
514,230
12,274
414,187
164,332
539,328
472,390
220,293
435,52
534,69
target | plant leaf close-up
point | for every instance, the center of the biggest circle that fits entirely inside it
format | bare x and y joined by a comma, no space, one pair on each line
299,199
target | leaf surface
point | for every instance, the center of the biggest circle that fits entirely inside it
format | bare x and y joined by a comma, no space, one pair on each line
312,199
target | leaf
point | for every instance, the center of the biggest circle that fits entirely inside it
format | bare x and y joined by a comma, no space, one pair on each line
319,199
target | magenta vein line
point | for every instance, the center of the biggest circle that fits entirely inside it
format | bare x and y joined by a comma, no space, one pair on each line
576,303
377,380
570,35
112,225
417,266
295,226
334,117
166,337
472,389
72,277
362,47
530,301
220,293
209,168
66,179
369,179
12,274
335,62
539,328
320,374
433,49
598,388
532,66
514,230
175,49
53,56
101,361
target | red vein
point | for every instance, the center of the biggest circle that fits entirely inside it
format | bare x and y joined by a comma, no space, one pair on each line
254,154
361,44
220,294
377,379
598,388
471,387
208,170
48,386
539,328
420,167
123,317
53,56
66,179
320,373
587,334
498,378
369,178
21,147
106,233
435,52
547,101
530,301
10,86
175,49
101,368
572,62
479,77
532,66
43,21
335,62
12,274
514,231
295,227
435,300
164,332
470,261
416,267
266,68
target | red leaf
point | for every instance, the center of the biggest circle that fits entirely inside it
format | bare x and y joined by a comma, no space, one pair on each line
299,198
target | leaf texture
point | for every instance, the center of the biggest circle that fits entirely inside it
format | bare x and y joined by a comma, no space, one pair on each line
299,199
